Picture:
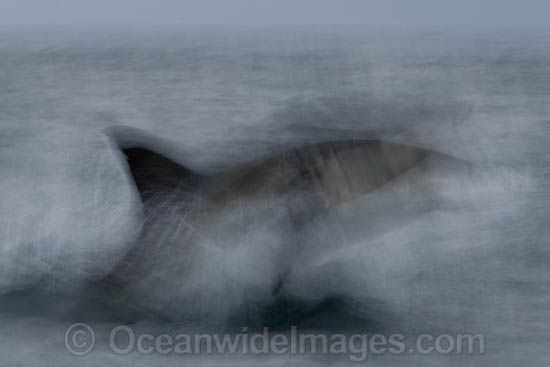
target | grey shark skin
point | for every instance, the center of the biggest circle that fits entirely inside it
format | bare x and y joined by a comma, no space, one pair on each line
218,249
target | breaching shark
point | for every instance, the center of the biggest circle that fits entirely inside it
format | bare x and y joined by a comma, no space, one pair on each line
222,247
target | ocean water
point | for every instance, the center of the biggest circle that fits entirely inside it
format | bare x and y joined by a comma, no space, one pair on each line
469,256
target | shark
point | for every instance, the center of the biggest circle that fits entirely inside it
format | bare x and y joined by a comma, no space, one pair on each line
220,248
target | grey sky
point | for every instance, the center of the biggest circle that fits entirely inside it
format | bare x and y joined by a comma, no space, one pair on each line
279,12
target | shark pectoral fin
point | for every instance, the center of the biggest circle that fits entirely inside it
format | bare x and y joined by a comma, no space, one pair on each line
156,174
152,162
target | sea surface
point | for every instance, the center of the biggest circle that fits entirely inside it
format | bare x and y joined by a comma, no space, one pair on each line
476,262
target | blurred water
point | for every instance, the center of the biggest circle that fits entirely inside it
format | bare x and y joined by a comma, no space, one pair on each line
478,264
